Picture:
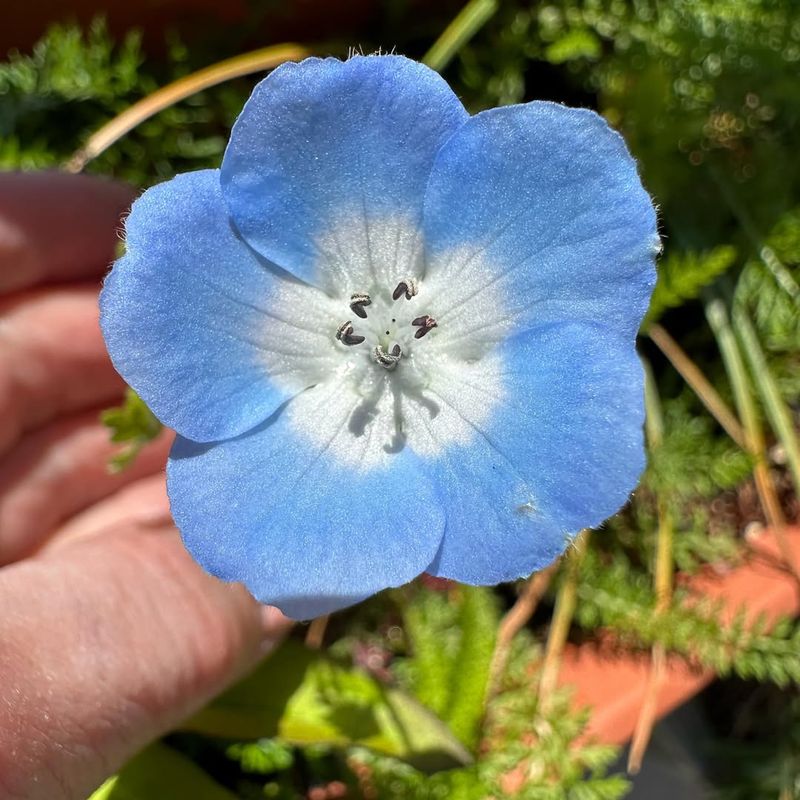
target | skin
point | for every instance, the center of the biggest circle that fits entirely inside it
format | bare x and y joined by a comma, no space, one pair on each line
110,634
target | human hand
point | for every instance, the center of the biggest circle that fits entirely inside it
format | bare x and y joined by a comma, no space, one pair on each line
109,633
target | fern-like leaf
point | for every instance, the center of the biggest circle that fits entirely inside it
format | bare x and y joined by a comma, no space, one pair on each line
682,276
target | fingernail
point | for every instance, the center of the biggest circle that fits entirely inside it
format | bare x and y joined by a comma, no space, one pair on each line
274,626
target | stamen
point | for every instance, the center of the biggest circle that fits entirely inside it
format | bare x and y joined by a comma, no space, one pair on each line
345,335
388,361
357,303
407,287
425,324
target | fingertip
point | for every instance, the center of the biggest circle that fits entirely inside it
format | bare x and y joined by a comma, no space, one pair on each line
274,625
55,226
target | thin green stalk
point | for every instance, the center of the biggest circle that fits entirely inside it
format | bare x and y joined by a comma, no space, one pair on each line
717,315
654,417
654,427
562,621
664,570
464,26
774,405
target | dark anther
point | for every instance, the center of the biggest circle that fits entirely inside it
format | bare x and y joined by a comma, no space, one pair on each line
387,360
358,302
425,324
407,287
346,336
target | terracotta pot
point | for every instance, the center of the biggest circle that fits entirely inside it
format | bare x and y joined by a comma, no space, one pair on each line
612,683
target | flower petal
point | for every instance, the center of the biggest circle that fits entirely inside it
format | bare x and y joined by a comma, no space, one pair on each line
207,332
562,452
537,212
326,168
289,510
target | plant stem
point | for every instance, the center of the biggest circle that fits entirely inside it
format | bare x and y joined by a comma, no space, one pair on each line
131,117
698,382
664,569
316,631
717,315
464,26
515,619
562,621
776,409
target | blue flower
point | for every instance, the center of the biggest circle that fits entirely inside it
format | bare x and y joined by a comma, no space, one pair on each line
392,337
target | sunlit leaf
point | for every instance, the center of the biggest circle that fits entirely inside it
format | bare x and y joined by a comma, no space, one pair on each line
162,773
133,425
304,697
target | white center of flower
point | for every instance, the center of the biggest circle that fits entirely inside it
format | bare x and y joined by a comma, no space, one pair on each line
396,361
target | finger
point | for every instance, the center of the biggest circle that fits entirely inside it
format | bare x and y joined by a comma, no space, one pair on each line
58,471
144,503
55,226
52,359
108,643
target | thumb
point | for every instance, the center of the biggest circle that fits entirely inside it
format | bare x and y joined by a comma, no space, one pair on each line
109,640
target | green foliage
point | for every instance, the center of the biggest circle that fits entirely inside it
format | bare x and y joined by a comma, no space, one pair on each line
575,44
429,621
478,619
537,753
693,474
609,598
133,425
774,299
678,467
75,81
305,698
70,82
390,779
526,755
769,287
682,276
164,773
264,756
452,642
704,91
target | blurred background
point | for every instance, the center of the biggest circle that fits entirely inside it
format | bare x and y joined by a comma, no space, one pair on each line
707,95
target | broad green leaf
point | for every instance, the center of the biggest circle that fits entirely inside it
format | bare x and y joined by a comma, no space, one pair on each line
303,697
162,773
